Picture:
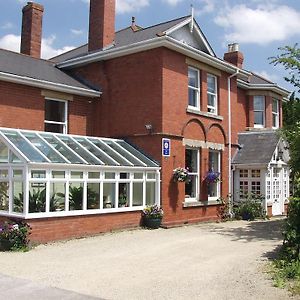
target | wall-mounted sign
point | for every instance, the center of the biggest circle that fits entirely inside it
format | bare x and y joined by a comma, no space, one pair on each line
166,147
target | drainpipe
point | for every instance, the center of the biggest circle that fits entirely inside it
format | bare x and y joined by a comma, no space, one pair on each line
229,143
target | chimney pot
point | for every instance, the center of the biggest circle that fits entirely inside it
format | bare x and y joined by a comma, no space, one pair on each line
31,37
234,56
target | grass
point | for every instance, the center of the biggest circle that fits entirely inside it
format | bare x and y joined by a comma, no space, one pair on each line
286,274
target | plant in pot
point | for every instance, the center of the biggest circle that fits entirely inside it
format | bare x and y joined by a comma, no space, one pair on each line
152,216
122,201
212,177
181,175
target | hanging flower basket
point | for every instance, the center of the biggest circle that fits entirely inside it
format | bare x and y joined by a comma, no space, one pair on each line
212,177
181,175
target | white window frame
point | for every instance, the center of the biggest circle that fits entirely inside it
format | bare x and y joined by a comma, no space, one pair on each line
215,95
256,110
275,113
197,89
196,175
250,179
219,182
65,124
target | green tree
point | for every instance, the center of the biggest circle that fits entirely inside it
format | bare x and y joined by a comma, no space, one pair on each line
289,58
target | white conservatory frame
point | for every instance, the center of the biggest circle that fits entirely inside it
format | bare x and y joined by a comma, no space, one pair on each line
115,156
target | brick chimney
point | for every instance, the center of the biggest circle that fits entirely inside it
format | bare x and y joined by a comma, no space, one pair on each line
234,56
102,24
31,38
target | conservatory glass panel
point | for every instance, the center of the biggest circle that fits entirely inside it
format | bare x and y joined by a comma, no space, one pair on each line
58,174
137,199
24,146
125,154
38,174
150,193
3,173
109,195
4,196
3,153
93,195
124,194
110,152
17,187
85,155
110,175
17,174
37,197
44,148
76,175
57,196
76,195
62,149
137,154
14,158
138,175
94,175
95,150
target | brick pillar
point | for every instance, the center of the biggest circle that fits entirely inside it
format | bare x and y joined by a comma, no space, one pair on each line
31,36
203,91
268,117
101,24
251,111
203,171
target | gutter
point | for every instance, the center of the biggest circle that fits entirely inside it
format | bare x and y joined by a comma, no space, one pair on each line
271,87
49,85
163,41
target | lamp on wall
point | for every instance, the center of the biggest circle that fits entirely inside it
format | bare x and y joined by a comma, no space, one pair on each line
149,127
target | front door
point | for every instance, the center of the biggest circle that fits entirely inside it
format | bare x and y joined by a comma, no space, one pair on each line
277,197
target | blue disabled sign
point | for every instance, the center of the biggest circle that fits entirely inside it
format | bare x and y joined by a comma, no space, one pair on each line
166,147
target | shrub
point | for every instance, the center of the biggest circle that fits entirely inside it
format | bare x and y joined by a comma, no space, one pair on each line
14,235
291,233
250,208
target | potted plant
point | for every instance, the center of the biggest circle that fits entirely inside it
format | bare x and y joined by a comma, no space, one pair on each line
212,177
152,216
181,174
13,236
123,201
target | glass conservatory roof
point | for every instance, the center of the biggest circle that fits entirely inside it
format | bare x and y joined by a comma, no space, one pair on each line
46,147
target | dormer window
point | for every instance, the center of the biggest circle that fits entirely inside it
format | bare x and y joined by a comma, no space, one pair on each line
212,99
275,113
194,88
259,111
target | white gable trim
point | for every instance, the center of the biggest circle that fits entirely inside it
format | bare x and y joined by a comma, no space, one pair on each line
196,28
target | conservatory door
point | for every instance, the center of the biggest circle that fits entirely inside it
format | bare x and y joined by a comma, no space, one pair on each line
277,197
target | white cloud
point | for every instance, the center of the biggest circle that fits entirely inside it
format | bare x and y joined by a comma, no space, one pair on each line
173,2
12,42
77,31
207,6
7,25
262,25
126,6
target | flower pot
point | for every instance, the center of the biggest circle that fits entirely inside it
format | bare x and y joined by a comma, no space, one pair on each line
5,245
152,223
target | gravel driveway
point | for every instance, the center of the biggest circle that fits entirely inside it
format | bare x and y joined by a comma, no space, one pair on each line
206,261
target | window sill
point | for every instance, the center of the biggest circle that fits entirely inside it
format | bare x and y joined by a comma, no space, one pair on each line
204,114
201,203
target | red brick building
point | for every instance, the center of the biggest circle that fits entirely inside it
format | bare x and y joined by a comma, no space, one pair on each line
154,86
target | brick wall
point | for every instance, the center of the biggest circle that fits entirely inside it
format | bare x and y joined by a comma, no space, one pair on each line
24,107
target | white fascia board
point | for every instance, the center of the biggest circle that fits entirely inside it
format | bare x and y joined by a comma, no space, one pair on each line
178,26
269,87
48,85
164,41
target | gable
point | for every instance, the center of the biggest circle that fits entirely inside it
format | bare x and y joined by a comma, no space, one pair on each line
193,39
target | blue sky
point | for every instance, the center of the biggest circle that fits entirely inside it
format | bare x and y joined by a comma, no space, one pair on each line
259,26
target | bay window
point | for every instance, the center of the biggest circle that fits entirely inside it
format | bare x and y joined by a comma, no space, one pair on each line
275,113
259,111
194,87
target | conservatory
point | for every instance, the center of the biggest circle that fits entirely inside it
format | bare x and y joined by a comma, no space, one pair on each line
46,174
